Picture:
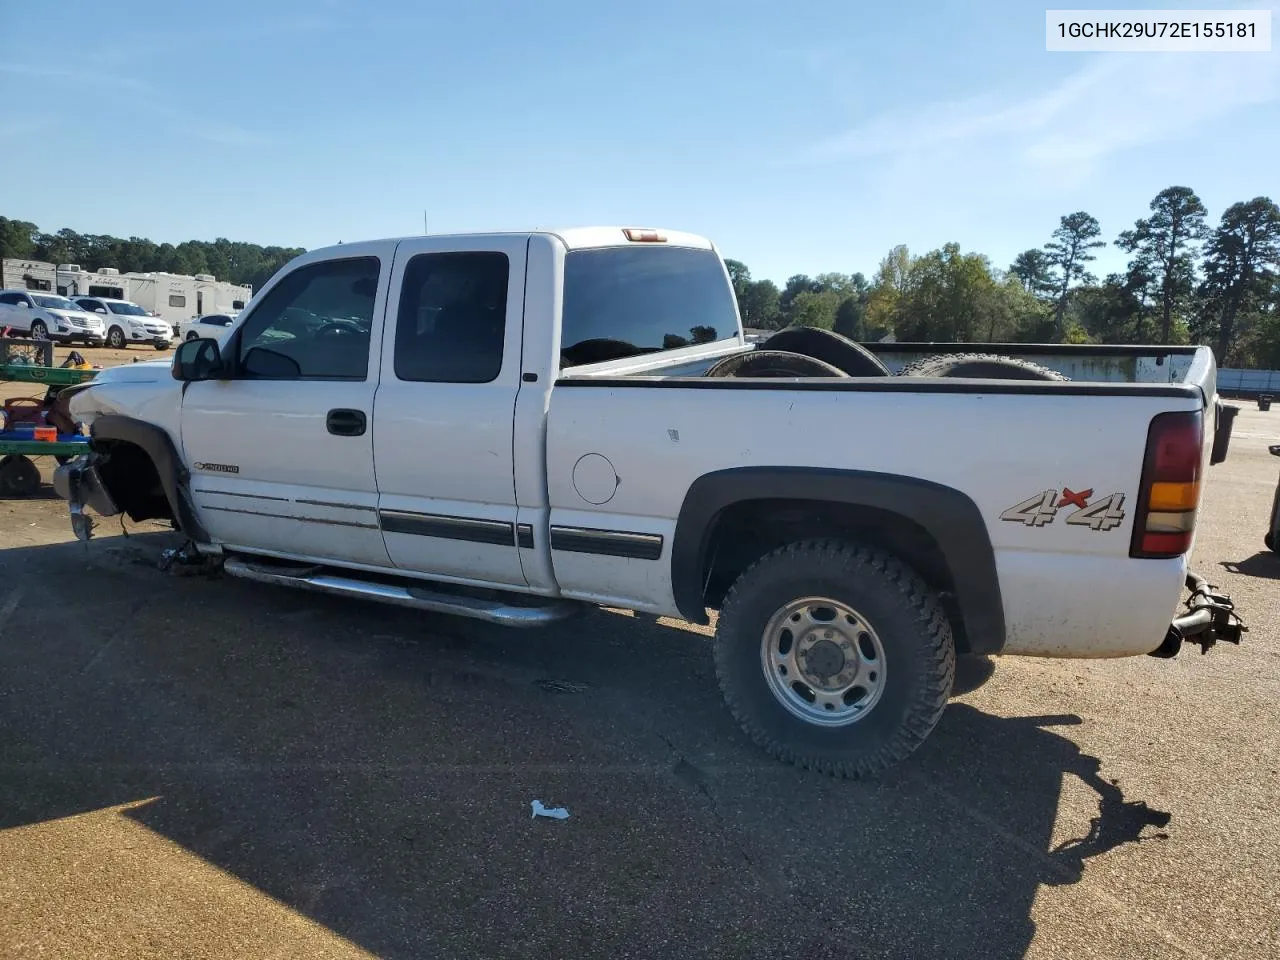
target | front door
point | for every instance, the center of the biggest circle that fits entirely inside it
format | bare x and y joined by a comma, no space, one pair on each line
281,454
442,434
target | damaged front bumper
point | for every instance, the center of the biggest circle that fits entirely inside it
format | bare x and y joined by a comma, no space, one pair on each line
80,484
1210,617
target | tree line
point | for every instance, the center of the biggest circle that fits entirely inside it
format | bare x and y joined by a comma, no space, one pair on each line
1185,282
225,259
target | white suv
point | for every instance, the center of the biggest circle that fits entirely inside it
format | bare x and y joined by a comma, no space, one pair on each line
128,323
48,317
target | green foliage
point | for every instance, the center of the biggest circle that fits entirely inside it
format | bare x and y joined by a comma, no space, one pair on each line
1240,268
1066,254
815,308
1164,246
225,259
1034,270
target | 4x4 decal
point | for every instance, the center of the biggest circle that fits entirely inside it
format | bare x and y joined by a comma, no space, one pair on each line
1105,513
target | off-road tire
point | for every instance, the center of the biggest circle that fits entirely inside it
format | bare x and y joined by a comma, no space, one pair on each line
905,613
829,347
772,363
988,366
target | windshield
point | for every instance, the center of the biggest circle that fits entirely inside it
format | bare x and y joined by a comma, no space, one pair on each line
627,301
129,309
56,303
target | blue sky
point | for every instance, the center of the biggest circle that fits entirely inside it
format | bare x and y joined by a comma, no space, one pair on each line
801,137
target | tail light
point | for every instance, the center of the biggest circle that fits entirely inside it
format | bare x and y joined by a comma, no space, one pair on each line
1170,491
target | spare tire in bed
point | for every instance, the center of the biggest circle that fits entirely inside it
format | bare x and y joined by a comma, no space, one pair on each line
772,363
985,366
829,347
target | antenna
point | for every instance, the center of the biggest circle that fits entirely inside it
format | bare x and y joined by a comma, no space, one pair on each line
424,222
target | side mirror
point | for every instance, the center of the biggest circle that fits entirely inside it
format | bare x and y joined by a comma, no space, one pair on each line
197,360
23,303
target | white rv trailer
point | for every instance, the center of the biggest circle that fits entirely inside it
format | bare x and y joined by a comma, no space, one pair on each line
176,297
76,282
171,296
18,274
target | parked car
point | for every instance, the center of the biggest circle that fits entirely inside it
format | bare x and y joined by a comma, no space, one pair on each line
127,323
517,426
211,325
47,317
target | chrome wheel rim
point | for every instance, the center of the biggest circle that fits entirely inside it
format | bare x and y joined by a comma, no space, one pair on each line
823,661
39,331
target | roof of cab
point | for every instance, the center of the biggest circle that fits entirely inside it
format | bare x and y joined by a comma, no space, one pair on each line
574,238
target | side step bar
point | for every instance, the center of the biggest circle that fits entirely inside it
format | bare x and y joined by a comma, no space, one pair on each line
506,613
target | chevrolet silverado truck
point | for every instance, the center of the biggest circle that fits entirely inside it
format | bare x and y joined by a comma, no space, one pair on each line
516,426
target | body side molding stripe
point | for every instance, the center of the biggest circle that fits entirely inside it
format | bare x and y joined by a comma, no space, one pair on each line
609,543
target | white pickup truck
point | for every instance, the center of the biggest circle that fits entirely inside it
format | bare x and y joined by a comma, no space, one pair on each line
512,426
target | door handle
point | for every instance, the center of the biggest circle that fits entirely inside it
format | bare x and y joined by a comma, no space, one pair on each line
345,423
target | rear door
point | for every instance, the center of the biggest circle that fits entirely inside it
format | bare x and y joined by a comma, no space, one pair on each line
442,429
281,454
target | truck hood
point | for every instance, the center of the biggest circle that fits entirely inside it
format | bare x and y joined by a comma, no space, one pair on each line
145,390
139,370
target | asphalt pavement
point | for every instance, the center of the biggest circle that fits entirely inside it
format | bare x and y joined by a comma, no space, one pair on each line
205,767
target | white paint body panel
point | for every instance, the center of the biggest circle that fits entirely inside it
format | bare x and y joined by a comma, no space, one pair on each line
506,451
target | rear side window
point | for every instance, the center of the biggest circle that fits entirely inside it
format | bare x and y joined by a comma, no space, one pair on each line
452,320
626,301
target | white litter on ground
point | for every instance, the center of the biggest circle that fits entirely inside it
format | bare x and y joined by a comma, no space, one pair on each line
557,813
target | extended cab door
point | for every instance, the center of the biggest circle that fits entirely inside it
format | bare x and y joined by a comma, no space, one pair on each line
442,426
281,453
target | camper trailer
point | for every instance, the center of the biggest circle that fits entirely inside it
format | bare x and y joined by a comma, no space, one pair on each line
106,282
176,297
26,275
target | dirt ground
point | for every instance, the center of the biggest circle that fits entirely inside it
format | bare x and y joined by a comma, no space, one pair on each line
207,767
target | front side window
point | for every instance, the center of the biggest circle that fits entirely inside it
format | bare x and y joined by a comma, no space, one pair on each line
12,299
452,319
627,301
314,324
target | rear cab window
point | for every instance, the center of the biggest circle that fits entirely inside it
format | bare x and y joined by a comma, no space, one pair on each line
630,301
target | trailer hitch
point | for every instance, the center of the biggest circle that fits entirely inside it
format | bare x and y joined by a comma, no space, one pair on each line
1210,617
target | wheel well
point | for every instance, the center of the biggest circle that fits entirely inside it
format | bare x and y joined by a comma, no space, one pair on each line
130,476
745,531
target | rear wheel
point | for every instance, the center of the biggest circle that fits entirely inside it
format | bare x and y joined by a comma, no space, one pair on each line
115,339
161,346
834,656
987,366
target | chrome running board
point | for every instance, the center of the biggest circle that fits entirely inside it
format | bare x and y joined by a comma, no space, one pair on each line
508,613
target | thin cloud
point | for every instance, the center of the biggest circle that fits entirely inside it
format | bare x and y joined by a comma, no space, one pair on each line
1113,103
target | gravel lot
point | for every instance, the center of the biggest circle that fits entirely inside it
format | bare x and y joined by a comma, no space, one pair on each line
206,767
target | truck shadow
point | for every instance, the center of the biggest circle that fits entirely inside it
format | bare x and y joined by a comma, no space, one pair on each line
1263,564
373,769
